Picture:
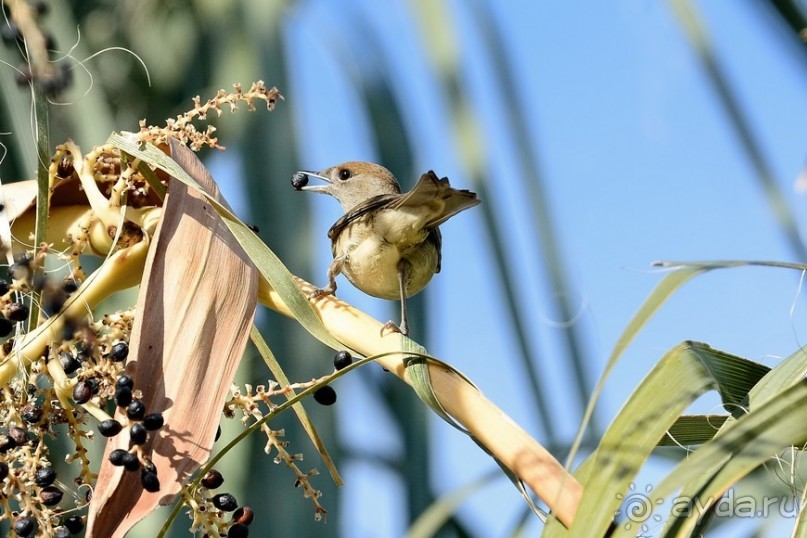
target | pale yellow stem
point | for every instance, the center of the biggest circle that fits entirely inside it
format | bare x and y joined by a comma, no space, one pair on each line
505,439
121,271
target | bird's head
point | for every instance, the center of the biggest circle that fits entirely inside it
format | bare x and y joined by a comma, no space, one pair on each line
351,183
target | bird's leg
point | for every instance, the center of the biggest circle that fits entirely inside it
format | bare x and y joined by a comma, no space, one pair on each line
403,266
333,270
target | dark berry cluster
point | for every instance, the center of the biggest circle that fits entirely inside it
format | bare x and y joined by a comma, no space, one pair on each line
226,502
140,424
327,395
54,292
53,78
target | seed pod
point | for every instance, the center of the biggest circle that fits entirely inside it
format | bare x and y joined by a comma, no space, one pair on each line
24,526
32,413
44,476
325,395
119,352
116,457
82,392
136,410
109,428
138,433
51,495
225,501
243,515
212,479
341,360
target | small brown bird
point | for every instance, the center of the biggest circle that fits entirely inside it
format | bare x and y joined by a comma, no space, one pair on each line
387,244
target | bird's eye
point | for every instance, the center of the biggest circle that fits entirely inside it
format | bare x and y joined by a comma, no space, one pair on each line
344,174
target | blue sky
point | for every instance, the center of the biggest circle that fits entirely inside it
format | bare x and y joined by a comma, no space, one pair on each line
639,163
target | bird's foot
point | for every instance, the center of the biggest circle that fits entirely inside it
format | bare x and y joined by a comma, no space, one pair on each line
390,327
319,292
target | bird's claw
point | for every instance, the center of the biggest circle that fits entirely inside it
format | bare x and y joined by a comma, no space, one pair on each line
319,292
393,328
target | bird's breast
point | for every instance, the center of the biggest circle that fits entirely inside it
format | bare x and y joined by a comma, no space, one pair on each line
372,261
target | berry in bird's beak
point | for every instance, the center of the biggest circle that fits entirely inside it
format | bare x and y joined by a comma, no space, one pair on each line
299,180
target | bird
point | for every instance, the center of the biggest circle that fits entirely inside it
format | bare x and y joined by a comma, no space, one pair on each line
387,243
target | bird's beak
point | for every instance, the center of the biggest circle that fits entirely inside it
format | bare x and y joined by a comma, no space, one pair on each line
300,182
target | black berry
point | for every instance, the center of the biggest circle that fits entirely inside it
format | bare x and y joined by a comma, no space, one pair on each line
10,32
343,359
5,327
3,470
69,362
238,530
70,284
50,496
61,532
212,479
225,501
125,381
153,421
19,435
116,457
24,526
123,396
244,515
6,443
119,352
17,312
150,481
325,395
74,524
299,180
44,476
82,392
136,410
109,428
32,413
138,433
4,286
130,462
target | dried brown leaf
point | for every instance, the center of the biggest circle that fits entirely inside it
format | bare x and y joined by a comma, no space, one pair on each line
194,312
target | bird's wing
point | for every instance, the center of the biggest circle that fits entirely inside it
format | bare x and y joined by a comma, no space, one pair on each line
359,211
437,238
437,194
